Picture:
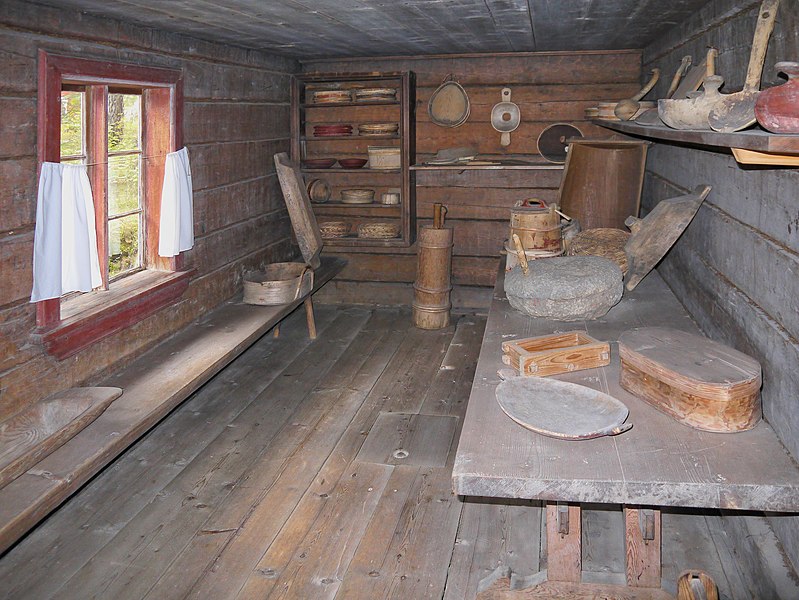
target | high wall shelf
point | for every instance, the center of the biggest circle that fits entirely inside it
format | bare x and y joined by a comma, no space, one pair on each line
751,146
305,114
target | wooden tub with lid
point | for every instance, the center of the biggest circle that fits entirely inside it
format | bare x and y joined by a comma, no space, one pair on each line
697,381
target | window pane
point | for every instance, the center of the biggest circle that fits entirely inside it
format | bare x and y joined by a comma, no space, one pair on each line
124,122
123,184
123,244
72,123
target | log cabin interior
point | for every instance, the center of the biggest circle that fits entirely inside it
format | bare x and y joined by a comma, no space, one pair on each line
536,339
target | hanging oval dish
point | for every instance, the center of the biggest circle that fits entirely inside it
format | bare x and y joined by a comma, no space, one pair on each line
449,105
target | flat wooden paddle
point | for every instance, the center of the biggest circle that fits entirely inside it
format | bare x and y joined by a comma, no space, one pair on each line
737,111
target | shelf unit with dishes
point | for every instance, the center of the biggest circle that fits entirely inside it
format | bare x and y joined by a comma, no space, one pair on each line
312,115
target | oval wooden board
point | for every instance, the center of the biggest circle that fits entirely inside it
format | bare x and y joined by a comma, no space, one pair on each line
561,409
28,436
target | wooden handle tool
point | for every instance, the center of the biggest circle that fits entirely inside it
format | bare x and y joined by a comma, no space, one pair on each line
439,214
517,242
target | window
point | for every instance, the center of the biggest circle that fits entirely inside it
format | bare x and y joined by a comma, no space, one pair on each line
119,120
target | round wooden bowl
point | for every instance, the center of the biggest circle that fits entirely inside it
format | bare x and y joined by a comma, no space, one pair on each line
352,163
278,283
605,242
318,163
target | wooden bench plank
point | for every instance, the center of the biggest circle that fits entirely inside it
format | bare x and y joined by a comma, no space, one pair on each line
153,385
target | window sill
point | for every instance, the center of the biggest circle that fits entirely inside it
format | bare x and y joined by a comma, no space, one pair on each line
90,317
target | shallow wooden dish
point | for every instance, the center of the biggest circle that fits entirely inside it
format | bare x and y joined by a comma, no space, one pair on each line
556,353
699,382
561,409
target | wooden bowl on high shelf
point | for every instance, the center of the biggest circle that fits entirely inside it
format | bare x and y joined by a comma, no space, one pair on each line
318,163
352,163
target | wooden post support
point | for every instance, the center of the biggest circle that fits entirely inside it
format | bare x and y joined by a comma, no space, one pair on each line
309,317
642,544
564,547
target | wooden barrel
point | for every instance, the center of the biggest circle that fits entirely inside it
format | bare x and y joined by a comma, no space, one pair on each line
431,290
537,225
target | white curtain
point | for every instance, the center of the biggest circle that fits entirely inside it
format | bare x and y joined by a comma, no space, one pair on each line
65,241
176,232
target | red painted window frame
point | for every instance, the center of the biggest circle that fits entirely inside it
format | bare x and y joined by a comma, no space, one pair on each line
163,90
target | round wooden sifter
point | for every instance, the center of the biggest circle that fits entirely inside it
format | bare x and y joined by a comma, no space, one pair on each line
561,409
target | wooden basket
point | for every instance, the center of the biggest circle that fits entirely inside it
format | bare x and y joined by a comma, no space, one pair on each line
334,229
602,241
378,230
279,283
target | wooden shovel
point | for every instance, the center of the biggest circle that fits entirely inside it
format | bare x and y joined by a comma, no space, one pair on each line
737,111
627,108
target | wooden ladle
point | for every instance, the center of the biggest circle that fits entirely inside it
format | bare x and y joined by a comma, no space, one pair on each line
627,108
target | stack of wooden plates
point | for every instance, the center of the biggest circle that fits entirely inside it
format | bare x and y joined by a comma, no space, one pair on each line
333,229
378,230
332,96
331,130
357,196
375,95
373,129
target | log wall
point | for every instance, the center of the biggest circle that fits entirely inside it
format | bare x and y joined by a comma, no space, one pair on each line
735,268
549,88
236,117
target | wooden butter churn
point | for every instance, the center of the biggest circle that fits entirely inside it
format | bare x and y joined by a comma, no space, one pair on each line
431,290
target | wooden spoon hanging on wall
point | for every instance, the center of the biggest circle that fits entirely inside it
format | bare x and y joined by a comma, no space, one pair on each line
626,109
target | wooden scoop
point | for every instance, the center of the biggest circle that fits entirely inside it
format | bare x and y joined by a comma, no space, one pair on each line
736,111
650,117
692,112
626,109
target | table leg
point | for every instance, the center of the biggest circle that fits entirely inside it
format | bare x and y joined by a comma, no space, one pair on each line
309,317
642,545
564,544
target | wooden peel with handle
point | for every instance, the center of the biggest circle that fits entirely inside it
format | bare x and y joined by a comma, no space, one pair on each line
626,109
737,111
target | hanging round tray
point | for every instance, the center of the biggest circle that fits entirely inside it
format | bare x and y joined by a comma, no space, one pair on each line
449,105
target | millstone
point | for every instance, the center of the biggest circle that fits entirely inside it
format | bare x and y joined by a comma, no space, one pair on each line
568,288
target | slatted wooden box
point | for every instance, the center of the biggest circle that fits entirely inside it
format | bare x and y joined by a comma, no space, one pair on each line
697,381
556,353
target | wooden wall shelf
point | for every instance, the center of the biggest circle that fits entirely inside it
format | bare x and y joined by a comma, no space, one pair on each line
303,118
755,140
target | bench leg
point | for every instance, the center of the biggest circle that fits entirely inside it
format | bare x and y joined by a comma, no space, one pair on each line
310,318
276,331
642,545
564,544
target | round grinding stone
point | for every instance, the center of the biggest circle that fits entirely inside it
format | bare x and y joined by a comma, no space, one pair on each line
568,288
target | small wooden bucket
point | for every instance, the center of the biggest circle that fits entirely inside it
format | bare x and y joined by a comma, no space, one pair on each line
537,225
278,283
431,290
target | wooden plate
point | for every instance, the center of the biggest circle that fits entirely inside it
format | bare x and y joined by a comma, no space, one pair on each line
561,409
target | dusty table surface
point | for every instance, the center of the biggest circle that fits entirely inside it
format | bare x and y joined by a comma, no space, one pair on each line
658,462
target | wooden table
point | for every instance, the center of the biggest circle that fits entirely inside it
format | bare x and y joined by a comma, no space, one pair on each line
658,463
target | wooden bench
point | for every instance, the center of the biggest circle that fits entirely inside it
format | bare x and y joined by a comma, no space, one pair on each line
153,385
658,463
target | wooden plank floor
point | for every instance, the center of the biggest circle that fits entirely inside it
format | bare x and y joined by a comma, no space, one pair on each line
315,469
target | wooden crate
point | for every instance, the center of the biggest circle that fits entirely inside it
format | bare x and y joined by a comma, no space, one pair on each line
556,353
